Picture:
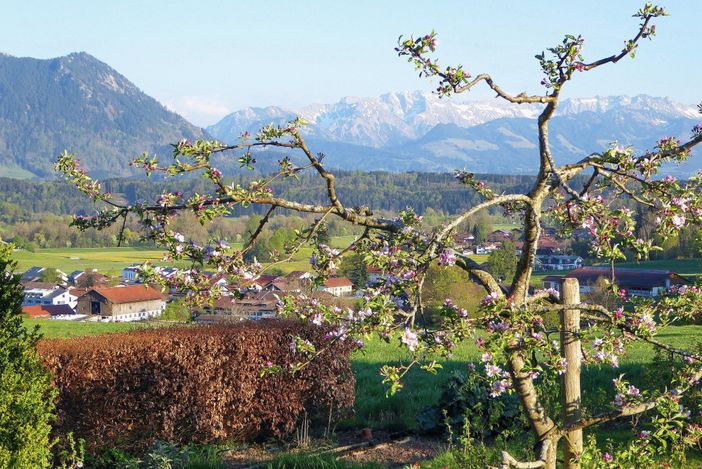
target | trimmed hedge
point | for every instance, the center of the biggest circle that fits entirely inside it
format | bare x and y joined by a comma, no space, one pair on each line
193,384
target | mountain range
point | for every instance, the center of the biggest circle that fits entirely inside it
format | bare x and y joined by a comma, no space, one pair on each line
81,104
414,131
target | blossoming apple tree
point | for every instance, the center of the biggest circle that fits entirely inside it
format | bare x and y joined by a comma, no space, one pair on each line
519,350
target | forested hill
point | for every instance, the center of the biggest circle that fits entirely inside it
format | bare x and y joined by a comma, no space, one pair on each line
81,104
378,190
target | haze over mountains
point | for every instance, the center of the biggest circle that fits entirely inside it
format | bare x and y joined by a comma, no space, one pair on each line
82,104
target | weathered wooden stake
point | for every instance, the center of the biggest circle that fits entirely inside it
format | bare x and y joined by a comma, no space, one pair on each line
570,380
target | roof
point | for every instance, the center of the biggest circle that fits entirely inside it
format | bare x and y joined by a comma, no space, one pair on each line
78,291
40,286
46,311
261,281
628,278
545,242
335,282
264,280
285,285
552,278
128,294
297,274
33,272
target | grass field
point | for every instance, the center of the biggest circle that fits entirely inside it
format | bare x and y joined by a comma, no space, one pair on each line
112,260
66,329
422,389
109,261
397,413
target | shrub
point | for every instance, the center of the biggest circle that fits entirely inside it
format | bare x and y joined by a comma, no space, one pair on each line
466,398
26,395
203,384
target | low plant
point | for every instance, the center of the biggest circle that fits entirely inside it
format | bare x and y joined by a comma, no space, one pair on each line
466,401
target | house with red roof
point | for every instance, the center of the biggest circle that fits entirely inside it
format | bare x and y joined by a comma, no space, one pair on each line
337,286
122,303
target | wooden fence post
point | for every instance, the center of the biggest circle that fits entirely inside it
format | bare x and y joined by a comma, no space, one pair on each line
570,380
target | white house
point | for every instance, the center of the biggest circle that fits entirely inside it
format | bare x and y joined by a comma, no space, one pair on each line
558,262
337,286
36,293
486,248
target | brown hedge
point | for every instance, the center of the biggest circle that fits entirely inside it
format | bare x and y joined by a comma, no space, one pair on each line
199,383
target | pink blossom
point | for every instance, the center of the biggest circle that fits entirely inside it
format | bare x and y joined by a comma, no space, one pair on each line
409,338
489,299
607,457
678,221
317,319
448,257
492,370
499,387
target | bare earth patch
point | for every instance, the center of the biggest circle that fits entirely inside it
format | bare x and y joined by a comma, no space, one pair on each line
389,450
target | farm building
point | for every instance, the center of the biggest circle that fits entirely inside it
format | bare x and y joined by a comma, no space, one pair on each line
121,304
637,282
337,286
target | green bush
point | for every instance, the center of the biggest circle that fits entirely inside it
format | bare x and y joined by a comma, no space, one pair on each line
26,394
466,398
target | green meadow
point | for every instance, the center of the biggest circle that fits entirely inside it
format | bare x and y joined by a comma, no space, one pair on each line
112,260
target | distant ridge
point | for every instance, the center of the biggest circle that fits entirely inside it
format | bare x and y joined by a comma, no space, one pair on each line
79,103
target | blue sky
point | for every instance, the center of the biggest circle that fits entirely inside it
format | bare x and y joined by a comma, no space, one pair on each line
209,57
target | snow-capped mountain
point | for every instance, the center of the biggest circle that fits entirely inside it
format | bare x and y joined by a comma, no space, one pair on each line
418,131
387,120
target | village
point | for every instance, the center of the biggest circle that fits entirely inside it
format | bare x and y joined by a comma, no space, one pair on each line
89,295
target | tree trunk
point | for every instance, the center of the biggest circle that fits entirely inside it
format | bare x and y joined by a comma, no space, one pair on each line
570,380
